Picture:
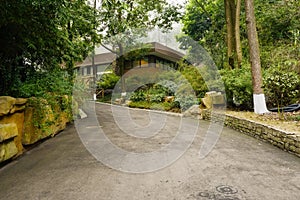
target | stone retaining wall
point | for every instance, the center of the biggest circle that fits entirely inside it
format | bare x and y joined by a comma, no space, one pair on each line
18,126
284,140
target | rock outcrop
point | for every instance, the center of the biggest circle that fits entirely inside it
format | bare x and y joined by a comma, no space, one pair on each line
23,123
11,123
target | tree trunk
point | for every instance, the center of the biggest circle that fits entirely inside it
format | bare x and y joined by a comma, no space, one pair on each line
121,66
237,34
230,22
258,95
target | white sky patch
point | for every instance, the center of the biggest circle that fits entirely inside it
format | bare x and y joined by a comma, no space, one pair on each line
181,2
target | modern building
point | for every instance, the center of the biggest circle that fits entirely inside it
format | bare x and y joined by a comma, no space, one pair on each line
156,56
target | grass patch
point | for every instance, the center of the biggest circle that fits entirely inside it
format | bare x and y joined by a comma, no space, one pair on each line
165,106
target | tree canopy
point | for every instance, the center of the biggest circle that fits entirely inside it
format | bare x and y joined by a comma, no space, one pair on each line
215,23
41,35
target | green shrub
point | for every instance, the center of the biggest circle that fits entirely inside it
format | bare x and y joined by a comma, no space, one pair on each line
185,101
140,104
238,87
49,89
281,86
138,95
45,83
108,81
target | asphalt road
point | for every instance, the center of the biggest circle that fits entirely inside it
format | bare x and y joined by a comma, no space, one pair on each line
238,167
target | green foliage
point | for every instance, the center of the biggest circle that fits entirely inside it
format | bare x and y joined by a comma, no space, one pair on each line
119,17
238,87
81,91
138,95
281,86
278,27
182,85
185,101
165,106
124,23
277,24
43,84
50,91
193,76
140,104
42,35
108,81
205,24
154,93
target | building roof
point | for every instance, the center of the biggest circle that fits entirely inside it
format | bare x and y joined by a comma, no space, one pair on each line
100,59
157,49
165,52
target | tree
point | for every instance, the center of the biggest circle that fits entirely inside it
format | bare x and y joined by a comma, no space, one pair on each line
230,34
204,22
258,95
237,31
42,35
125,21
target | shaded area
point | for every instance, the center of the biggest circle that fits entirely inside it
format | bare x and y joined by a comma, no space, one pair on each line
290,108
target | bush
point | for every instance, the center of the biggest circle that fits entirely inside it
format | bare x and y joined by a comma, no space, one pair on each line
45,83
281,86
108,81
138,95
55,88
238,87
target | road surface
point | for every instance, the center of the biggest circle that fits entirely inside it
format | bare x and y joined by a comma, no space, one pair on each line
238,168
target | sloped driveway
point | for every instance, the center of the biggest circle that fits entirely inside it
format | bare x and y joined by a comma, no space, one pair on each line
238,167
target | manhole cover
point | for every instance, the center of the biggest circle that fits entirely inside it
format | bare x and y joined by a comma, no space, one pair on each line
225,189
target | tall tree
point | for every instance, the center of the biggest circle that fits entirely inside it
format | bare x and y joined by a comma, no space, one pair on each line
258,94
42,35
230,11
204,22
237,31
124,21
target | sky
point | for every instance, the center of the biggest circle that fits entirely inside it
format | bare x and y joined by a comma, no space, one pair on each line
182,2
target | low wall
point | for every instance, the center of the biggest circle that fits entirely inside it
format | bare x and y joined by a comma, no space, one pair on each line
284,140
23,123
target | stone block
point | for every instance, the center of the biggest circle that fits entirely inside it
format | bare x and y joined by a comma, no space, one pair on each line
18,119
6,104
8,131
212,98
7,150
49,125
292,148
20,101
297,150
17,109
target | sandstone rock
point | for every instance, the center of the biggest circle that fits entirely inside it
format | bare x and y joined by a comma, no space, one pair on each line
169,99
8,131
17,109
52,122
21,101
18,119
7,150
36,130
212,98
6,104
